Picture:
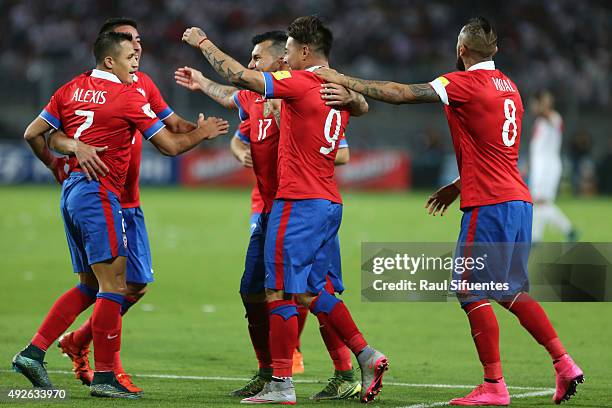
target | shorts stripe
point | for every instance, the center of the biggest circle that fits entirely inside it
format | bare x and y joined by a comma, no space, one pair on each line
472,227
110,224
279,263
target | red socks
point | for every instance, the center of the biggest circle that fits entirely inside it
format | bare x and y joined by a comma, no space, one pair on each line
83,335
283,336
339,353
534,320
485,332
259,330
60,317
106,328
340,320
302,315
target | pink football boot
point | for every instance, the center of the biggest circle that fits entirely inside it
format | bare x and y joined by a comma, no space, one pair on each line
486,394
569,375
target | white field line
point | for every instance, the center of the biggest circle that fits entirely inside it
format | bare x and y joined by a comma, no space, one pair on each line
523,395
216,378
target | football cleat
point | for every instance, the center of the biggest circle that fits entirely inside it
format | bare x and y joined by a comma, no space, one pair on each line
252,387
33,370
298,362
274,392
338,388
372,371
126,380
487,393
569,375
106,385
79,357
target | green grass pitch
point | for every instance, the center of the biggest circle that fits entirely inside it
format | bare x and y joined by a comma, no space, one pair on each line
191,323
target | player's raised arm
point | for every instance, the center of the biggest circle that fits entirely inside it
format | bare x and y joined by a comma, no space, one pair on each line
226,66
35,136
384,91
194,80
173,144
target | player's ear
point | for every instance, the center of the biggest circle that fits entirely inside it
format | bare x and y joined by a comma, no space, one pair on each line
108,62
305,52
494,52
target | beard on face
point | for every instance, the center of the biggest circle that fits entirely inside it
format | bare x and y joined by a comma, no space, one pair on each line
460,64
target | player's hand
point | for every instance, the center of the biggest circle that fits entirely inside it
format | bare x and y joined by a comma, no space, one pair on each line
57,168
193,36
212,126
90,162
328,75
246,159
335,95
189,78
439,201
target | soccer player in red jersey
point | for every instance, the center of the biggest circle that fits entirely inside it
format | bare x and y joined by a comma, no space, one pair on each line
305,216
484,112
259,133
139,271
100,108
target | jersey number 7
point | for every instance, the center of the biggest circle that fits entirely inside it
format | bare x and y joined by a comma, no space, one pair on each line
89,116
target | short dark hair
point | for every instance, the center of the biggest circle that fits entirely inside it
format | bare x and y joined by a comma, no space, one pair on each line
311,31
278,38
479,36
108,43
112,23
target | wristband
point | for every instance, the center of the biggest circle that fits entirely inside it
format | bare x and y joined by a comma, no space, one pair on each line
202,40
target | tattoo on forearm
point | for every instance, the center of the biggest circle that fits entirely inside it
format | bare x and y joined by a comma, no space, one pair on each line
221,63
392,92
218,91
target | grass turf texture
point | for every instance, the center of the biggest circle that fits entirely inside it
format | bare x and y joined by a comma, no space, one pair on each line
191,323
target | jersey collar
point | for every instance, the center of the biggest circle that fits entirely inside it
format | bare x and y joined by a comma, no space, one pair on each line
98,73
486,65
312,69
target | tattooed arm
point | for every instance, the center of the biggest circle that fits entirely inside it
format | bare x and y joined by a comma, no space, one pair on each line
226,66
193,80
385,91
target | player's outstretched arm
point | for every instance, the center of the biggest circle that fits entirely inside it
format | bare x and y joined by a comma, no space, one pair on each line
384,91
93,167
194,80
173,144
226,66
35,136
342,156
337,95
241,151
439,201
177,124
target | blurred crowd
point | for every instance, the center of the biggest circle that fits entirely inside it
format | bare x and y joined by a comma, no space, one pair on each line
564,45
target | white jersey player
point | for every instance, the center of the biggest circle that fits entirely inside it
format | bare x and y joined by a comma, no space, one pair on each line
545,168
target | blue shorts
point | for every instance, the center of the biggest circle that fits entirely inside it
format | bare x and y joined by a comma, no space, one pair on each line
93,222
253,221
139,267
498,239
301,247
254,275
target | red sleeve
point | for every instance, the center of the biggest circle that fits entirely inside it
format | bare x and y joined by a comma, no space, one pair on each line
138,111
51,113
155,98
287,84
453,88
243,100
244,132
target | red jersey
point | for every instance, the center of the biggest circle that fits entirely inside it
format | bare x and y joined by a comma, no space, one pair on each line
484,112
310,132
260,130
96,108
145,85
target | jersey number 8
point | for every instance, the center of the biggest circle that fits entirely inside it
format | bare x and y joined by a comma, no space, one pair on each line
510,113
